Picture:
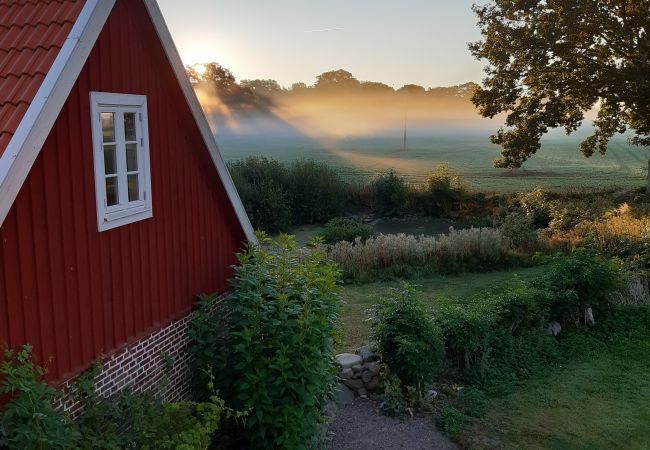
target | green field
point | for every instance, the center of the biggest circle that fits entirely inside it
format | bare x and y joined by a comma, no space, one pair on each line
558,165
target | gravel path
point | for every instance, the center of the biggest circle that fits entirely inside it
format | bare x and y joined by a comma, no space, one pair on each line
361,426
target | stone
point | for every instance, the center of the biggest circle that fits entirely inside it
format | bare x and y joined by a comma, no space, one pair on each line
362,392
374,384
343,395
431,395
353,384
374,368
346,374
554,328
366,377
330,408
347,360
367,354
589,317
356,368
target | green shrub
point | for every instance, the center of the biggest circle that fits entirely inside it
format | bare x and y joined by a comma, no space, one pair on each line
496,339
445,189
29,420
408,340
474,402
141,421
519,229
580,281
317,192
344,229
280,341
536,207
261,184
451,420
391,192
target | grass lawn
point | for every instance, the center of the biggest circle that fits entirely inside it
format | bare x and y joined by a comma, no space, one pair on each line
357,298
601,401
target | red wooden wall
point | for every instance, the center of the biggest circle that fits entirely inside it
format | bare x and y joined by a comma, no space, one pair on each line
74,293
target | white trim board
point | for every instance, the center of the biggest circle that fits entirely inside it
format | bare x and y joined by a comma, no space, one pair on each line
27,141
192,101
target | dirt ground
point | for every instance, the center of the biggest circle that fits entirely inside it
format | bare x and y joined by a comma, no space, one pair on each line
361,426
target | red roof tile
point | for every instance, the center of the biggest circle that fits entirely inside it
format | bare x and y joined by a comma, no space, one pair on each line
31,35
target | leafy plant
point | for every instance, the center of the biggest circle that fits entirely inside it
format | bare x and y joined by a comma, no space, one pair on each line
390,191
409,341
280,341
29,420
518,228
317,192
580,281
451,420
344,229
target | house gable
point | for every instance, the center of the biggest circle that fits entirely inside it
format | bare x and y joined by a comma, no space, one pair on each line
75,293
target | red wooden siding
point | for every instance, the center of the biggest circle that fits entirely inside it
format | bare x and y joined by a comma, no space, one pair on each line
74,293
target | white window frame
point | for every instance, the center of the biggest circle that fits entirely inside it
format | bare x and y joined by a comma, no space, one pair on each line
124,212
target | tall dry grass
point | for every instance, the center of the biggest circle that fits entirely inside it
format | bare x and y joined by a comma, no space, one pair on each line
474,249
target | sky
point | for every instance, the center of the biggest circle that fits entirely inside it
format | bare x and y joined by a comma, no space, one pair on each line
396,42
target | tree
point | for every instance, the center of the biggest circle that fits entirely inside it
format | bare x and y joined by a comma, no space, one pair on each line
213,73
300,86
550,61
262,87
414,89
375,86
336,78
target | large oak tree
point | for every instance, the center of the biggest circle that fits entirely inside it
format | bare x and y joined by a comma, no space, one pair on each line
551,61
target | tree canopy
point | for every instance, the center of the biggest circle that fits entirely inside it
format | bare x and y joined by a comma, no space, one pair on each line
551,61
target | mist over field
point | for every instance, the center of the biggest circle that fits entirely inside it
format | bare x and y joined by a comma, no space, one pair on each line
359,128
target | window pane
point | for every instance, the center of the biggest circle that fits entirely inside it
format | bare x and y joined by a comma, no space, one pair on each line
108,126
111,191
131,157
110,162
129,127
134,189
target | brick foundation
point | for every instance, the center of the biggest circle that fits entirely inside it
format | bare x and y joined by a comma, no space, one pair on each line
159,361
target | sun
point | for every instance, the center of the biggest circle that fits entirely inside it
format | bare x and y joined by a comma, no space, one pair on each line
199,69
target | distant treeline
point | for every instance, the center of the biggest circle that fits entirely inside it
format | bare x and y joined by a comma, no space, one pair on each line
264,92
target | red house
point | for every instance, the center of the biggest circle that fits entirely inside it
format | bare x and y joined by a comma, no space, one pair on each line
116,207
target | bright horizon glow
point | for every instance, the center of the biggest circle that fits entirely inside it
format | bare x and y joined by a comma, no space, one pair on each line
423,42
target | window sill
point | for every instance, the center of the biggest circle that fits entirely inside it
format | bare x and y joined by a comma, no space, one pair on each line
124,217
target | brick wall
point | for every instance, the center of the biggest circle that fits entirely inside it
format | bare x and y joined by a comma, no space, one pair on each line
159,361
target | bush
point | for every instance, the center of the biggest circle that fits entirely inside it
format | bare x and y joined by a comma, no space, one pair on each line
579,281
261,183
276,196
279,343
409,341
536,207
343,229
391,191
519,229
317,192
461,250
445,189
30,421
451,420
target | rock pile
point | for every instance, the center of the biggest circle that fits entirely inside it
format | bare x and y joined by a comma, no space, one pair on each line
359,372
